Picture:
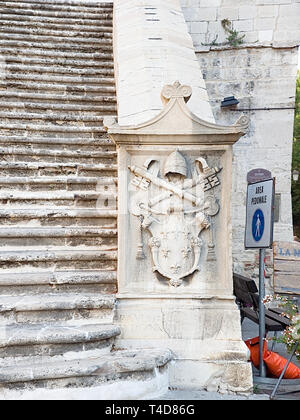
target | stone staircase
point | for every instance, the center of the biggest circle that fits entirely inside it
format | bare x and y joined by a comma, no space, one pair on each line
58,219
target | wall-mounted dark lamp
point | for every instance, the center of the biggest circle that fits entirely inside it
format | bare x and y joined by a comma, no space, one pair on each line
230,101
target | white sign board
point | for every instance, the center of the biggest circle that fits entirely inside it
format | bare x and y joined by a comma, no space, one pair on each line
260,214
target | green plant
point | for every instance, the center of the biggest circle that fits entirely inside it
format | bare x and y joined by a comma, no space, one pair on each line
234,38
291,335
256,389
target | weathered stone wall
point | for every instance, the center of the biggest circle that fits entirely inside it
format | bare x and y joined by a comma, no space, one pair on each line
263,80
261,74
264,22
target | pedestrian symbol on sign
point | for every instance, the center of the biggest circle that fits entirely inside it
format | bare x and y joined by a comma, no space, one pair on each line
258,225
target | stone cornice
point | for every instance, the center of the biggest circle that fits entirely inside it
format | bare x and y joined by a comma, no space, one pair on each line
176,119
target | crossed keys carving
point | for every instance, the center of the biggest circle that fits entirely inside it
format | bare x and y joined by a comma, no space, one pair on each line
143,178
175,242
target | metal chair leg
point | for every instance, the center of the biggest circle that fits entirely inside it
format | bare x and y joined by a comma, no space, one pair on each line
283,372
274,342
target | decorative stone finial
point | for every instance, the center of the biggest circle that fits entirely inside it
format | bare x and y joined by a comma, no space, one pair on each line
177,90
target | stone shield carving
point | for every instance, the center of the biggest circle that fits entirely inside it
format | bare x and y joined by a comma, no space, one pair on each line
175,209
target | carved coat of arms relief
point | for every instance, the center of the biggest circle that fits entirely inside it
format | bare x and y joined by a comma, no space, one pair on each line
175,202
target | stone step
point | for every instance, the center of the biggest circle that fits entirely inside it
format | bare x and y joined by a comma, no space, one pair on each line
104,185
38,107
58,265
103,152
51,216
52,254
70,236
40,86
59,61
14,17
125,372
54,16
57,169
46,259
38,282
101,53
75,3
8,127
102,82
58,198
56,308
86,28
55,232
53,69
56,98
113,365
17,41
19,341
79,8
34,190
53,302
51,123
49,35
50,118
57,278
79,15
71,143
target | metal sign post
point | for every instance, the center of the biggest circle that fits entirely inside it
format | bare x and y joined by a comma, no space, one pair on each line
259,235
262,324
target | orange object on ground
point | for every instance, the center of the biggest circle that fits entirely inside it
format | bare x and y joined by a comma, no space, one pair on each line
253,345
274,362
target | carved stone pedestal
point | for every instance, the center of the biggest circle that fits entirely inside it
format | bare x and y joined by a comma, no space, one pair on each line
174,226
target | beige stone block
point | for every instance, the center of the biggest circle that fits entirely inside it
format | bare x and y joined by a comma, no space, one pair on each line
267,11
243,25
265,2
231,13
238,3
208,13
197,14
213,377
264,24
289,10
289,23
199,27
265,36
200,40
284,38
247,12
251,37
210,3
